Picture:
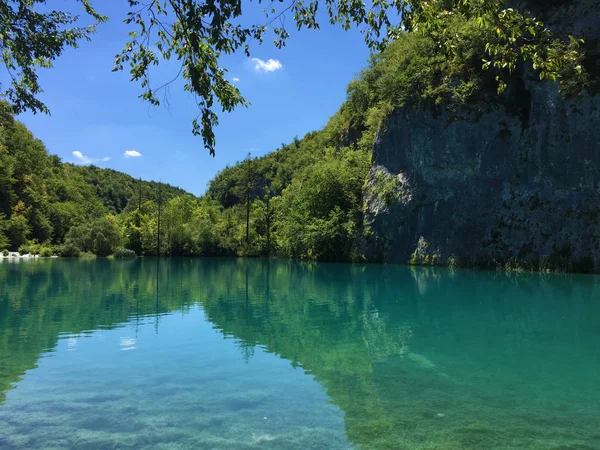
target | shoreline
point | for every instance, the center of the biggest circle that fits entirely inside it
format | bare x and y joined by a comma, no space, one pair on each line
17,255
494,266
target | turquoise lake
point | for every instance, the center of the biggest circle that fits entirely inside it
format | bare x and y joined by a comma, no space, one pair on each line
267,354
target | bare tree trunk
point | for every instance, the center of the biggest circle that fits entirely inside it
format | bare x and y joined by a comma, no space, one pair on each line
158,230
248,218
140,195
268,229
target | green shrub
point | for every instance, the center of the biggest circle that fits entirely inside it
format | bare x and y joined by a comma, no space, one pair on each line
5,252
24,249
388,188
46,252
100,237
70,250
122,252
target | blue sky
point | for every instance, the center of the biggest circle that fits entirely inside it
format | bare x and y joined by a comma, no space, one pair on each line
97,114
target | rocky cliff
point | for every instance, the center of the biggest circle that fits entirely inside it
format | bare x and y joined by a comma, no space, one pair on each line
494,188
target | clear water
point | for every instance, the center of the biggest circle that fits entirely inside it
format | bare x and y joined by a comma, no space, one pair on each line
250,354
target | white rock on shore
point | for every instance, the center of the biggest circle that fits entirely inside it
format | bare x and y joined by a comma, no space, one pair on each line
17,255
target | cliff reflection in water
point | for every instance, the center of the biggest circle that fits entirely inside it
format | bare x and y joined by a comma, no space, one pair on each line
415,358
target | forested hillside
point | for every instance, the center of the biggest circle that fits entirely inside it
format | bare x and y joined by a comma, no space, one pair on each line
44,201
303,200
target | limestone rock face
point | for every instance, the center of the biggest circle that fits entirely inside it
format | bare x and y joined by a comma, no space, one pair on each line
489,189
511,185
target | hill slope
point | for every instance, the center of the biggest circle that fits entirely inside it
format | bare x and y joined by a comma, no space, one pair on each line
41,198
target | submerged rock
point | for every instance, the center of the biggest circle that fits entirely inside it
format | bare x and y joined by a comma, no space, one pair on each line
261,437
421,360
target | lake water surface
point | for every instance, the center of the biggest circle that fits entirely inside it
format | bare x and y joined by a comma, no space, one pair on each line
257,354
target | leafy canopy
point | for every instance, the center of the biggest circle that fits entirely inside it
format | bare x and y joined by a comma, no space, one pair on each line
196,33
30,39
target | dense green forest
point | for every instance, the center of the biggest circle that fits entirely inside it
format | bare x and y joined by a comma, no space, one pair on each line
45,203
276,205
304,200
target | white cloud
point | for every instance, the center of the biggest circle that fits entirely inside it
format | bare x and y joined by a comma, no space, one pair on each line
271,65
132,154
83,159
236,79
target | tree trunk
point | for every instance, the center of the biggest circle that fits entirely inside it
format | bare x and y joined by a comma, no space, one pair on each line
248,218
158,228
268,230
